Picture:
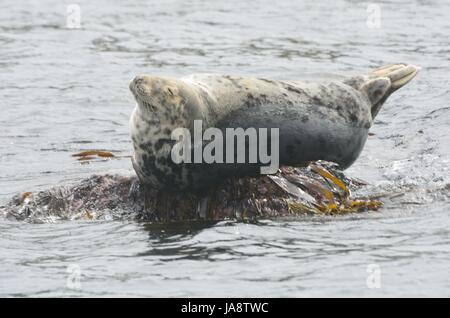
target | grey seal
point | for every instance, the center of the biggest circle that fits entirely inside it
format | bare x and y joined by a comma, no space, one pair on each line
326,120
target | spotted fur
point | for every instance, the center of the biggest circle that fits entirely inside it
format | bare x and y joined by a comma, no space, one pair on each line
325,120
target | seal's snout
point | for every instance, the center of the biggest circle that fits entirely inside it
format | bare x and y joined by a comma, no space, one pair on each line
142,87
138,79
137,83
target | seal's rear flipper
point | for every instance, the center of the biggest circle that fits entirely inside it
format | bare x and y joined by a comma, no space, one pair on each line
382,82
398,74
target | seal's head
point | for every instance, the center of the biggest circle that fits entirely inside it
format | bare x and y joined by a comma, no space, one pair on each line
171,100
155,93
382,82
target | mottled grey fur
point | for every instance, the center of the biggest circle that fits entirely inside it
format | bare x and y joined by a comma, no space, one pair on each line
317,121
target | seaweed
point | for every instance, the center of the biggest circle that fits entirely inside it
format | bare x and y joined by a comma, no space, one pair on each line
319,188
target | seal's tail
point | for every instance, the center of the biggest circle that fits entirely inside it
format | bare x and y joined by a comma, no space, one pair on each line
383,81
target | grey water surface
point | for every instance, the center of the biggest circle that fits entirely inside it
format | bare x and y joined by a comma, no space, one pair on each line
63,90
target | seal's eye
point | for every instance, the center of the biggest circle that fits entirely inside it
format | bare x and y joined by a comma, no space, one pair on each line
171,91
